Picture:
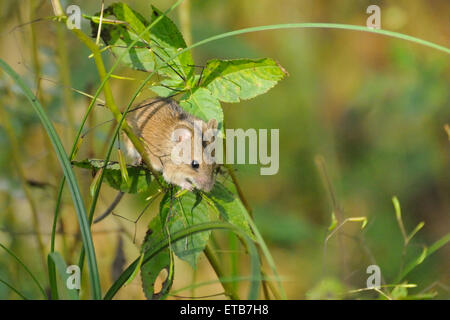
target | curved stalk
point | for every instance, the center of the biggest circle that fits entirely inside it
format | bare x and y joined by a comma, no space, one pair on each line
179,235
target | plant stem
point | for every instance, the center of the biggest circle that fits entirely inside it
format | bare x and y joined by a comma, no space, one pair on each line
239,190
26,269
179,235
260,246
110,103
234,257
57,8
227,286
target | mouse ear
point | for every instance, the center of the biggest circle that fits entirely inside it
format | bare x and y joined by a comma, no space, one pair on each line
181,134
212,124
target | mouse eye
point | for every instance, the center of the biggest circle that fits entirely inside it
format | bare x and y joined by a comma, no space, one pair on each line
195,164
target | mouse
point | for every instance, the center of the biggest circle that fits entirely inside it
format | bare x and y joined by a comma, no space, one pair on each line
154,121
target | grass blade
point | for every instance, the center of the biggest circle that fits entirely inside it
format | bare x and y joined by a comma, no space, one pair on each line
61,267
388,33
68,173
13,289
26,269
425,254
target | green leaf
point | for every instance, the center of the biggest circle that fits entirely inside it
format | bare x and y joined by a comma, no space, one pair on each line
120,35
255,274
136,270
139,177
161,261
426,252
230,207
168,87
153,49
202,104
61,267
438,244
167,41
241,79
416,229
186,211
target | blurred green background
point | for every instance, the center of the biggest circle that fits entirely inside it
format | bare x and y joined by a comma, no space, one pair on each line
369,109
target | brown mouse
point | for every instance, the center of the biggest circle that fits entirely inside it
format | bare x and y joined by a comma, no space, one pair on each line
155,121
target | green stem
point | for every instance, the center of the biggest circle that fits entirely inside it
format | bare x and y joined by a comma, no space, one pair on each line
239,190
179,235
260,246
234,257
228,286
319,26
110,103
13,289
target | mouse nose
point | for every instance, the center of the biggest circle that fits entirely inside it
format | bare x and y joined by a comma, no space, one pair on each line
204,184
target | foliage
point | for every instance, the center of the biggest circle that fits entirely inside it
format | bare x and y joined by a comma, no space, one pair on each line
157,50
384,137
222,80
139,177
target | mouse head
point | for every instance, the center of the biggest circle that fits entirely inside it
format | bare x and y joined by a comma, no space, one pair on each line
192,165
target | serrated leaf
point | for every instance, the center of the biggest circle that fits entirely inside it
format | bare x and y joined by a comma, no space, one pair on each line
153,49
167,42
186,211
241,79
120,35
230,207
152,268
202,104
139,177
